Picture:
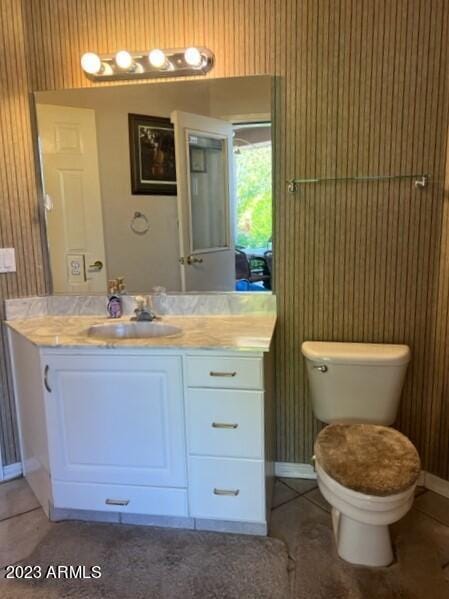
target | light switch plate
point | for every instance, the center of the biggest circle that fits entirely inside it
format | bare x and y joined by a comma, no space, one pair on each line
7,260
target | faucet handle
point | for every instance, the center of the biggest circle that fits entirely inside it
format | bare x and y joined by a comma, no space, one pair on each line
141,302
112,286
121,285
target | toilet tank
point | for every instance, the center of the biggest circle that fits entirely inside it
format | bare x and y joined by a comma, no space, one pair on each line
355,382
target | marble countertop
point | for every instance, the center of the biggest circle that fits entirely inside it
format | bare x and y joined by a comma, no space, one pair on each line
243,332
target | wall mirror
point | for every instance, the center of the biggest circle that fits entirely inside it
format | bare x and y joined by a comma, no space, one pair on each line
165,184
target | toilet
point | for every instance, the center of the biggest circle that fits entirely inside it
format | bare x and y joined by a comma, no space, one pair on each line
366,470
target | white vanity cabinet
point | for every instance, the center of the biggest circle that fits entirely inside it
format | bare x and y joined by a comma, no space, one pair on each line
152,433
226,440
115,420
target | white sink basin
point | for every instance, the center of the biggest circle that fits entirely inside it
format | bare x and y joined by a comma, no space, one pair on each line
133,330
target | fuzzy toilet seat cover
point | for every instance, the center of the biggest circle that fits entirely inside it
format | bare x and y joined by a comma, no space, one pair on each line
368,458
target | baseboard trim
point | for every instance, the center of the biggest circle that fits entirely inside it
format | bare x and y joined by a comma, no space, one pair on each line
296,470
293,470
421,479
436,484
12,471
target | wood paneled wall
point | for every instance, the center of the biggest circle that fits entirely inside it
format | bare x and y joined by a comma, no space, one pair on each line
20,222
436,416
361,88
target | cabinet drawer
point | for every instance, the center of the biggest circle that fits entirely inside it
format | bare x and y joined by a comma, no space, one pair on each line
226,489
225,422
225,372
120,498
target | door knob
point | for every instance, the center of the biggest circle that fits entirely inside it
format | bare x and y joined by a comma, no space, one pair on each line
190,260
96,266
194,260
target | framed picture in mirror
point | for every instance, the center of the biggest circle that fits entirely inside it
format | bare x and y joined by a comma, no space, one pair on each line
152,155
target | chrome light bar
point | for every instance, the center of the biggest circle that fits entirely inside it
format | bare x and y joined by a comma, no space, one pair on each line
172,62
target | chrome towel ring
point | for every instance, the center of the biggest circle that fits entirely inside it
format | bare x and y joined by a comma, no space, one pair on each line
139,223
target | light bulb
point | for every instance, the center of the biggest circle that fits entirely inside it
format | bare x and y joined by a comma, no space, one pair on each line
91,63
193,57
157,58
123,59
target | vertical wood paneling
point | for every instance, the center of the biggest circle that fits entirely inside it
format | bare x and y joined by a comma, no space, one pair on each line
20,223
374,276
361,88
437,421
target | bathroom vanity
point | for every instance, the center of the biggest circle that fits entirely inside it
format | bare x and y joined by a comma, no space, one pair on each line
175,429
167,431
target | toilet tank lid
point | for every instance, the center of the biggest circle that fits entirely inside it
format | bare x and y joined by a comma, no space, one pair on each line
356,353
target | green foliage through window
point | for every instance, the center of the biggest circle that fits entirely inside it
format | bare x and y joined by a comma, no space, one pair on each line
254,206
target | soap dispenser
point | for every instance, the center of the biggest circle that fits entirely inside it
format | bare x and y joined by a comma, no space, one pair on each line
114,307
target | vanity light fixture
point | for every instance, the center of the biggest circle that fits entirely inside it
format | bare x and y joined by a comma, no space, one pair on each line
193,57
158,59
91,63
173,62
124,60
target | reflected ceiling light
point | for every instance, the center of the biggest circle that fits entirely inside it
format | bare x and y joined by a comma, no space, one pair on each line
124,60
193,57
158,58
146,64
91,63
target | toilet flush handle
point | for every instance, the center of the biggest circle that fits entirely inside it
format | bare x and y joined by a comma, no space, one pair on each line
321,368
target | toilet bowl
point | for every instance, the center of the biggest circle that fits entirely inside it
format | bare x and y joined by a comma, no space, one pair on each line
361,522
366,470
368,490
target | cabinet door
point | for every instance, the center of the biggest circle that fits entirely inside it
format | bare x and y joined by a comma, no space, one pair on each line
116,419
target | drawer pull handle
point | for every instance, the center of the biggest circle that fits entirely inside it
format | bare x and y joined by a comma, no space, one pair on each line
228,374
224,425
117,501
227,492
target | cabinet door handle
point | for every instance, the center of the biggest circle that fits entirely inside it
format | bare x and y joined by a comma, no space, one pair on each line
46,385
227,492
117,501
224,425
215,373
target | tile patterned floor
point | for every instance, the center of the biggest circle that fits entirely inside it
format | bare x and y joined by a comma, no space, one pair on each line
301,519
22,522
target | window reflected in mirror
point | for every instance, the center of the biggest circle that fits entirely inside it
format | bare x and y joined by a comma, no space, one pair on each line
208,184
254,222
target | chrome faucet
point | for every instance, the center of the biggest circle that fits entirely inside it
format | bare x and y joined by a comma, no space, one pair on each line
144,311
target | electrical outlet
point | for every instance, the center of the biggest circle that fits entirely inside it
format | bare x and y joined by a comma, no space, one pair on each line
7,260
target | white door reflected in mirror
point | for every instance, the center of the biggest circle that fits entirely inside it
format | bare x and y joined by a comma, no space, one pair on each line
69,156
205,178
